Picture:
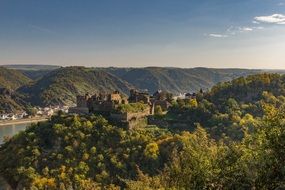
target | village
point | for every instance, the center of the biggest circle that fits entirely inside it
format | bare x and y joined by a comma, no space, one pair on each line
38,112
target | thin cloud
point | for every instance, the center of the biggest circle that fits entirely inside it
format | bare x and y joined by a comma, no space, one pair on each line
271,19
246,29
232,30
218,35
259,28
235,30
41,29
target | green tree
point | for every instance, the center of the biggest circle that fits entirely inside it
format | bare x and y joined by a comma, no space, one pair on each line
31,111
151,150
158,110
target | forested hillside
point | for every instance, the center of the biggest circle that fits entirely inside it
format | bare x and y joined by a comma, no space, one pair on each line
177,80
51,85
229,107
12,79
61,86
233,139
34,72
71,152
12,102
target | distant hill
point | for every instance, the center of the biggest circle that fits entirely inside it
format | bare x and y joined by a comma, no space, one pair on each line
32,67
177,80
11,101
50,85
34,72
62,85
248,89
12,79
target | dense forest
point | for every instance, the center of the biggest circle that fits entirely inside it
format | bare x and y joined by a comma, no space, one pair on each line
10,81
232,138
61,86
224,108
45,85
177,80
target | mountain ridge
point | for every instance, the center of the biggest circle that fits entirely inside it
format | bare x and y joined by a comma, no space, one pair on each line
177,80
62,85
12,79
55,86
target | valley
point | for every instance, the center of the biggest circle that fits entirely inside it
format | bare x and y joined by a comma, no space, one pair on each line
142,95
58,86
214,137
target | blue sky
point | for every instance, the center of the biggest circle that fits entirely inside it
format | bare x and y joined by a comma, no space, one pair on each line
133,33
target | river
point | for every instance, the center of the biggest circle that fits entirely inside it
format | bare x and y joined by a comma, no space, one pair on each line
10,130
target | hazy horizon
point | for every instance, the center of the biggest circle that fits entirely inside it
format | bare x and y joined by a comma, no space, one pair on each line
134,67
246,34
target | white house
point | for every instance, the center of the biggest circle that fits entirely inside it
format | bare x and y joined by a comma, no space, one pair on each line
3,116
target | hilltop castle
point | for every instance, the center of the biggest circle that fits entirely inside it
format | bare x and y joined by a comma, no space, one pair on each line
120,109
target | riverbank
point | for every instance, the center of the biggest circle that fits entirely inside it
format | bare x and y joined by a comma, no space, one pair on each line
23,121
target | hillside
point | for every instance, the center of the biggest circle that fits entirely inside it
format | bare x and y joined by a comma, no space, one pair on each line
34,72
177,80
248,89
54,85
11,102
87,153
12,79
230,107
62,85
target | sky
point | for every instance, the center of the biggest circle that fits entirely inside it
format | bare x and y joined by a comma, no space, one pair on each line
140,33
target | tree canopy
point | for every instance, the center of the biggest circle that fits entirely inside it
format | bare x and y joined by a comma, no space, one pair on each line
230,139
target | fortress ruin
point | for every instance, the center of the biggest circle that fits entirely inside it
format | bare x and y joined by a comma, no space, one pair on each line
117,108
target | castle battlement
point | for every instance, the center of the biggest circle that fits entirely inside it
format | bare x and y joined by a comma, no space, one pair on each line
120,109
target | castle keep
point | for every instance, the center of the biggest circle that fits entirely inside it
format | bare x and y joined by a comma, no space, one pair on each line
105,103
136,96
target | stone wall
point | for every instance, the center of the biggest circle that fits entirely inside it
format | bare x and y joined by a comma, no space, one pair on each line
119,116
116,97
136,96
131,120
138,115
130,116
81,101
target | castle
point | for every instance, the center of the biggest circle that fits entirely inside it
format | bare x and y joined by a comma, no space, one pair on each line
111,105
136,96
